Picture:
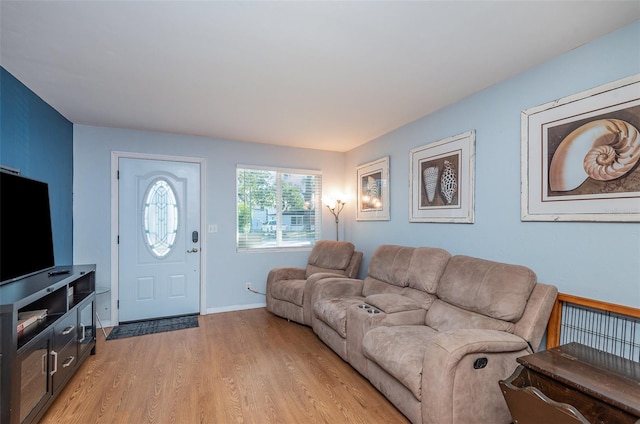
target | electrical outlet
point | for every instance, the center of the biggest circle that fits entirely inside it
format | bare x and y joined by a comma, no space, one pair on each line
248,285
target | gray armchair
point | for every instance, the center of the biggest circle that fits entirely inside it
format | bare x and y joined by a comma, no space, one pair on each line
289,289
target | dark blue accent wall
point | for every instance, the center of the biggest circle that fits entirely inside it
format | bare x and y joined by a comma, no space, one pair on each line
38,141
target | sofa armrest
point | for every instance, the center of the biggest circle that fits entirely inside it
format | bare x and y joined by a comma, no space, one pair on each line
461,370
328,288
286,273
322,275
458,343
309,290
337,287
283,273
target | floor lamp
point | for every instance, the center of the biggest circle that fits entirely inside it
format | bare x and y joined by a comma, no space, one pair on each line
335,211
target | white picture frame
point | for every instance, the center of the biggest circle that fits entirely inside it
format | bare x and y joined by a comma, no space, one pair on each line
565,173
441,180
373,191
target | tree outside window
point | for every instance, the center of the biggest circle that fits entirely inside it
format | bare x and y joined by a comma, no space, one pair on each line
276,208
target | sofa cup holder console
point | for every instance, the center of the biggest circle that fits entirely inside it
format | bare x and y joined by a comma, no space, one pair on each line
368,308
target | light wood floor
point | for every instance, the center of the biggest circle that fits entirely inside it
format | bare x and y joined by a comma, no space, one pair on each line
237,367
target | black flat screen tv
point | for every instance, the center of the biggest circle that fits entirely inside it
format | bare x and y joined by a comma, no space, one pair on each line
26,237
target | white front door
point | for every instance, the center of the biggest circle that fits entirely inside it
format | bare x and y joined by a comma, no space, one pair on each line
159,238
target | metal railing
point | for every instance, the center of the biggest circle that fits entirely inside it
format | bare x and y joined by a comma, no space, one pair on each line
604,326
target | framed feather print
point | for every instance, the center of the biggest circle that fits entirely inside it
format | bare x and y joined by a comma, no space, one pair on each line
373,191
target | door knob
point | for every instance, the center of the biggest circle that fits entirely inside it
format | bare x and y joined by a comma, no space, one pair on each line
194,250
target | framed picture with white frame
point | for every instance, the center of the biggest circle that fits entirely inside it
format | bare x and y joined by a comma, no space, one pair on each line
580,156
442,180
373,191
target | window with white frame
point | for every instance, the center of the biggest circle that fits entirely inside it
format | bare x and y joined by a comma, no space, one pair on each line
277,208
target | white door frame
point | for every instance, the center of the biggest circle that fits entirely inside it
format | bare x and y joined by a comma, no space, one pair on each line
115,260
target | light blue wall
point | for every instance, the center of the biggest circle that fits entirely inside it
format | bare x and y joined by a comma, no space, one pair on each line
227,270
38,141
597,260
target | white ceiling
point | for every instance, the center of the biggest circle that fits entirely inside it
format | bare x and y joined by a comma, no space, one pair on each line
330,75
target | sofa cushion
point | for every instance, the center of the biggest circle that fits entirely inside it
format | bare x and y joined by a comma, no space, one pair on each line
426,267
489,288
445,317
391,303
389,264
289,290
333,312
330,256
372,286
400,352
423,298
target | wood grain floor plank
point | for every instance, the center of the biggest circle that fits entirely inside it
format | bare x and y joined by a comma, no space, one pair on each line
245,367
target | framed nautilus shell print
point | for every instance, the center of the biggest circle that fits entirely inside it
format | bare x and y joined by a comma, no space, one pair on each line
581,156
442,180
373,191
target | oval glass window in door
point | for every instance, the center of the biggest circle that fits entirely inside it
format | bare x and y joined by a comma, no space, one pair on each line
160,218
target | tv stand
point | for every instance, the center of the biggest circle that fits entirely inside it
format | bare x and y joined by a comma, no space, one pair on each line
38,361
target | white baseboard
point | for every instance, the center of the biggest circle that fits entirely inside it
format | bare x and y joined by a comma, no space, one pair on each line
236,308
105,324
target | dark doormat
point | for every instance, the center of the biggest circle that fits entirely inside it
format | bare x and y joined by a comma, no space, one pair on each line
153,326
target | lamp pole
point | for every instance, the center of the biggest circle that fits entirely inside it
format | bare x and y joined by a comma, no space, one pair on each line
335,211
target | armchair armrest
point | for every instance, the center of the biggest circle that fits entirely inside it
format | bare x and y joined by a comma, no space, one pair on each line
283,273
286,273
461,370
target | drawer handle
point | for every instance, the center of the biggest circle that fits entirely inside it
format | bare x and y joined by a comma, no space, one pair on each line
83,333
67,330
44,363
55,362
68,361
